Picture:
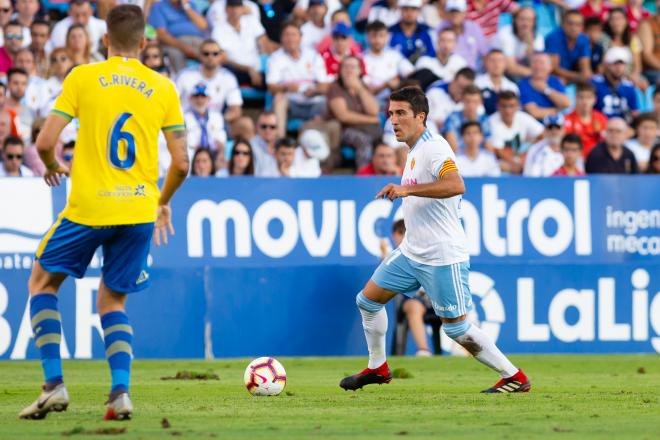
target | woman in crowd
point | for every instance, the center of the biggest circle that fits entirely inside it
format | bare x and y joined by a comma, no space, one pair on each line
241,162
152,57
60,66
654,161
203,165
352,104
79,46
619,34
518,41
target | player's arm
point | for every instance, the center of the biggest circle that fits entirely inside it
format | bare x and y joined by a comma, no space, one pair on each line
449,184
46,141
176,174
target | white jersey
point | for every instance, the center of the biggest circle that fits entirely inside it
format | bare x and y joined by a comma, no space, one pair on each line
434,233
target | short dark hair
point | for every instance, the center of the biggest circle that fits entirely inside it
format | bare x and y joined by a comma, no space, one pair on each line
14,23
379,144
591,21
13,140
645,117
16,71
494,51
376,26
399,226
466,73
471,90
209,41
125,27
507,95
39,22
415,97
285,142
571,12
571,138
78,2
584,86
469,124
288,24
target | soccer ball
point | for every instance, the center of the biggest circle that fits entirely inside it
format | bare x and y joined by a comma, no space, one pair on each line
265,376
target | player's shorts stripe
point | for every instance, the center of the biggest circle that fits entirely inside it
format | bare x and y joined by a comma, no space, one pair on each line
459,307
43,315
118,328
118,347
49,234
459,288
174,127
49,338
61,113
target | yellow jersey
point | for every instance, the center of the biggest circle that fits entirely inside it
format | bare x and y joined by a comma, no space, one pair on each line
121,106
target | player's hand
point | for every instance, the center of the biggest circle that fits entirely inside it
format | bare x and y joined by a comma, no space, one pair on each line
163,224
54,172
392,191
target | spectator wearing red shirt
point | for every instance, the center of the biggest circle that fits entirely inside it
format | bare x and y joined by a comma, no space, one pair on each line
595,8
585,121
340,48
339,16
487,13
571,146
636,13
383,162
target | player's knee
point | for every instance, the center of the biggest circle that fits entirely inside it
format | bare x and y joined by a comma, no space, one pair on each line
456,329
366,304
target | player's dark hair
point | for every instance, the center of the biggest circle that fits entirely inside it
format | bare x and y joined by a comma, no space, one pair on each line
507,95
571,138
415,97
584,86
466,73
469,124
125,27
376,26
285,142
399,226
12,140
645,117
16,71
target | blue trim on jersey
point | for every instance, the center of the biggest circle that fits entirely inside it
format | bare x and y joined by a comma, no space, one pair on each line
425,136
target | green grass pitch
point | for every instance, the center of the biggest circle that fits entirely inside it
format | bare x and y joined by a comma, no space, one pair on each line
573,397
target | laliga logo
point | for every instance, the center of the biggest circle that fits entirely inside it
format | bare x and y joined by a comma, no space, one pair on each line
492,306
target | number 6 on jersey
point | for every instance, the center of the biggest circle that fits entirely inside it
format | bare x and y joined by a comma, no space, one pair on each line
115,136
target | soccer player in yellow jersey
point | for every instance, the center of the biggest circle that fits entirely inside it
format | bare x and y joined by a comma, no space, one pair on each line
114,201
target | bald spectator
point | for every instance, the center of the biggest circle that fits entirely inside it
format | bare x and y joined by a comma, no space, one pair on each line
611,156
80,12
542,93
383,162
570,49
12,159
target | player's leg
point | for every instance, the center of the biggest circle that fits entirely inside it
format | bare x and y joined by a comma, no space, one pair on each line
415,311
392,276
65,250
125,255
450,292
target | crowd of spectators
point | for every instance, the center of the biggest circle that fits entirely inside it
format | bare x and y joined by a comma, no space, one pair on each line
299,88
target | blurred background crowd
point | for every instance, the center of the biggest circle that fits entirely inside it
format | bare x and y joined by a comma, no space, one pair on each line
299,88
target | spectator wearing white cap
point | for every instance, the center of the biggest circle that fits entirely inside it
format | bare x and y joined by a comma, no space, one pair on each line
471,44
445,63
545,157
297,79
386,11
410,37
615,95
385,67
315,29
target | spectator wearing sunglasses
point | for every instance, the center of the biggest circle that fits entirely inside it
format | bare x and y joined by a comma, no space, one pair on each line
221,85
152,57
13,38
263,145
241,162
12,159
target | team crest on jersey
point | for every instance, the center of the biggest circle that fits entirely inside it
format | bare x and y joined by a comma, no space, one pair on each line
412,164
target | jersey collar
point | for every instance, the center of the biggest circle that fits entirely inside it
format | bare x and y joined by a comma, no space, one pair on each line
425,136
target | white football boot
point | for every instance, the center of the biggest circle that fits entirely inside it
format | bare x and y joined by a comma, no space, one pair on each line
120,408
56,400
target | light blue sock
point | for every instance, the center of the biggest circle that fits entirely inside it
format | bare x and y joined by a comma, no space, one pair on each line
118,337
47,328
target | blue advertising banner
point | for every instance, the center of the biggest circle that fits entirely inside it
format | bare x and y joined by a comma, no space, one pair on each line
272,266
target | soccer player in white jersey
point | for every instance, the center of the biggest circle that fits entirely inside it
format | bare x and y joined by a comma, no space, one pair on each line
432,255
